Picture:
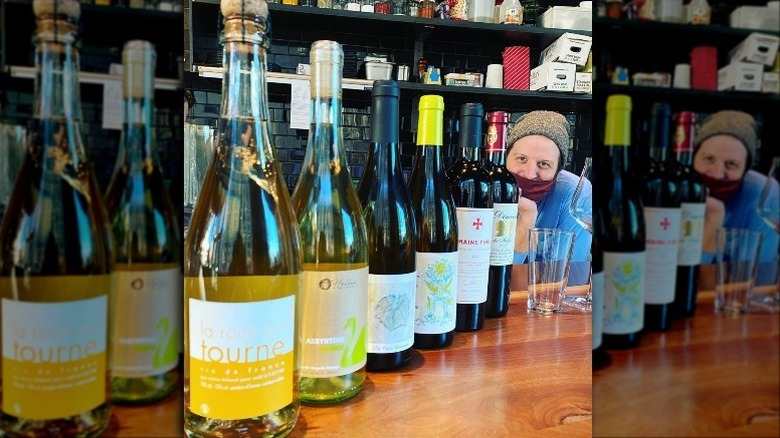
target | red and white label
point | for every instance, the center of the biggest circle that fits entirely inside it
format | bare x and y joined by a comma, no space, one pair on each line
662,241
475,232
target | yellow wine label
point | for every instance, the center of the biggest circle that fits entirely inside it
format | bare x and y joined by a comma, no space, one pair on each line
334,322
146,320
54,356
241,357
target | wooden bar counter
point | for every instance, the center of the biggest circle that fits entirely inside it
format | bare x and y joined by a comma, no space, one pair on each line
714,374
521,375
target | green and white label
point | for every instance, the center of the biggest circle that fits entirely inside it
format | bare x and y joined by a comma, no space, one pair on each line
624,292
437,285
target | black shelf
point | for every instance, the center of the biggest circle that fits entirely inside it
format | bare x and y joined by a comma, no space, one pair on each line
693,100
333,21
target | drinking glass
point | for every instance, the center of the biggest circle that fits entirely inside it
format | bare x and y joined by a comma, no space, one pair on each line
581,209
769,210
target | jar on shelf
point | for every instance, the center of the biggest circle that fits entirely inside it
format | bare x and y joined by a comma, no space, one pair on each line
614,8
310,3
290,2
413,8
382,7
366,5
399,7
325,4
427,9
351,5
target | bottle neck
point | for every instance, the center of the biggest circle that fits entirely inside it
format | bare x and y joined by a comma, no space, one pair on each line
495,146
617,138
244,112
388,162
659,139
57,96
138,112
325,113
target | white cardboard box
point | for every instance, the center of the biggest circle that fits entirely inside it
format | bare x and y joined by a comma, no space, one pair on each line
570,47
755,17
553,76
741,76
568,17
771,83
758,48
583,83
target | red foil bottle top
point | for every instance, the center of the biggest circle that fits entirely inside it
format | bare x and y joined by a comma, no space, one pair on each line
498,117
495,138
683,133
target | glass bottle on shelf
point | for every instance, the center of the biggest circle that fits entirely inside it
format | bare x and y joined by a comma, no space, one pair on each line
334,245
352,5
56,258
698,12
382,6
147,279
399,7
413,8
242,264
366,5
325,4
531,11
482,11
511,12
290,2
427,9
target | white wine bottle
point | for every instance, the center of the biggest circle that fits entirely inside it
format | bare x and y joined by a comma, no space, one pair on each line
242,260
55,257
334,244
146,309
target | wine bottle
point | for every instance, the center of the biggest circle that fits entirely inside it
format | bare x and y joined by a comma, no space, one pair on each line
505,196
147,282
472,190
334,245
693,196
437,232
387,210
623,242
242,263
55,257
661,200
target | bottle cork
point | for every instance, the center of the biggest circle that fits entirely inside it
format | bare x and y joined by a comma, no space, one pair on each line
327,60
71,9
138,64
258,8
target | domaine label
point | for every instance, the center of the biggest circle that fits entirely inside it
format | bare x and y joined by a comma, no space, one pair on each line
391,312
624,289
662,241
54,357
241,357
502,247
147,326
437,281
475,227
691,234
597,285
334,343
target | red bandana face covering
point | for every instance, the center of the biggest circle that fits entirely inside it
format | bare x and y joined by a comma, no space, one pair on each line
534,189
722,189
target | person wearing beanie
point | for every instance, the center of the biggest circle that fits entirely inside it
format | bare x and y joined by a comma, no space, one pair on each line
724,151
537,150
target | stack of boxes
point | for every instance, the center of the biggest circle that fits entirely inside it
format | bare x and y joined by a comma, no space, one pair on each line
565,66
749,59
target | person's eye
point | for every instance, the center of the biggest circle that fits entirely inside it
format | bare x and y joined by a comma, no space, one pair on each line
521,159
544,164
731,165
709,158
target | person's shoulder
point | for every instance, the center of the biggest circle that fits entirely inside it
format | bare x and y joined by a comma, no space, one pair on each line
754,181
569,180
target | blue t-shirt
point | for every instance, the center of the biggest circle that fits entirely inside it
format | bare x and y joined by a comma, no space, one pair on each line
553,212
741,212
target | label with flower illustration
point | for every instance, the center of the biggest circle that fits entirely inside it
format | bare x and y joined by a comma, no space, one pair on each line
391,312
624,292
437,274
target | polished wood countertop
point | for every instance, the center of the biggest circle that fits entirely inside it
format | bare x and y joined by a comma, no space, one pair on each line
714,374
521,375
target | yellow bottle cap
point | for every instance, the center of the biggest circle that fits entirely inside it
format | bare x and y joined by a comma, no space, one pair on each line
430,123
618,124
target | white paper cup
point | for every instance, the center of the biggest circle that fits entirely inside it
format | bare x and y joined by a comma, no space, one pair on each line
682,76
495,76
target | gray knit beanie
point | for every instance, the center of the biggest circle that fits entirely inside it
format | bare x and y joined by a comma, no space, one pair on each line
547,123
737,124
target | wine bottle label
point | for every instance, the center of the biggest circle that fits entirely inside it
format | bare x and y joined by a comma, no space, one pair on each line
54,353
437,282
662,242
241,356
691,234
624,292
146,318
475,229
391,312
333,328
502,248
597,306
512,15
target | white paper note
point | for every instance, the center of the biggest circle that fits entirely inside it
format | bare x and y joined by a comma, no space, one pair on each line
299,105
112,100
